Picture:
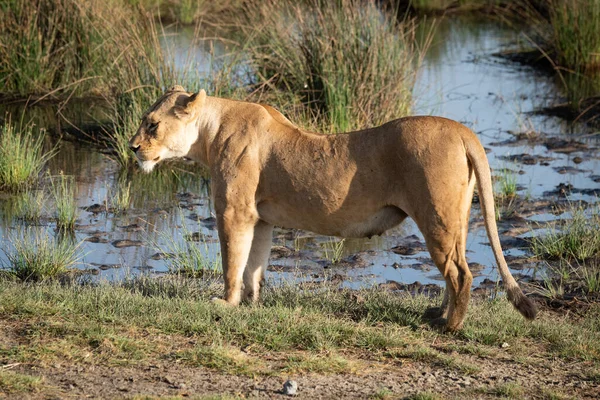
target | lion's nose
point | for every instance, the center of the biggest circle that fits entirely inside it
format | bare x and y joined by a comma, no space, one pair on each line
134,147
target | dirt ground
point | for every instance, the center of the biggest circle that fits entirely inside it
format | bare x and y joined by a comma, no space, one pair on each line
499,375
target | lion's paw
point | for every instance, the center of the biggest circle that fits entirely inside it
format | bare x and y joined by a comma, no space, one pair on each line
220,301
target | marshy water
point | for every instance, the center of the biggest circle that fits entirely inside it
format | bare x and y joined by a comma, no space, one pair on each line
461,79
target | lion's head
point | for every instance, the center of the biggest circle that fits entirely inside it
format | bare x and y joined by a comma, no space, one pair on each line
167,129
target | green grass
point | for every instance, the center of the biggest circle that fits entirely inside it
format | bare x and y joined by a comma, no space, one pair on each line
291,319
22,155
122,199
333,250
16,383
184,256
572,248
576,239
352,62
65,202
48,44
575,25
34,256
438,6
508,391
66,48
577,277
426,396
506,184
31,204
226,359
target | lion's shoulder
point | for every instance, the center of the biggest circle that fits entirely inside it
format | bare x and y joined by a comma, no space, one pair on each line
278,116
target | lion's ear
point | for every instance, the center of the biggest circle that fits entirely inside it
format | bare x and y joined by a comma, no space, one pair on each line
177,88
191,106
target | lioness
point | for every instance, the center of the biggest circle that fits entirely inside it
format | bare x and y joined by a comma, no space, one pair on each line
266,171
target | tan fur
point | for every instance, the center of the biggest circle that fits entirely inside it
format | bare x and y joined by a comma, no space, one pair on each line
266,171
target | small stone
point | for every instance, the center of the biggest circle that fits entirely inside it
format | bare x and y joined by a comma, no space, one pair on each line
505,345
290,388
169,380
577,160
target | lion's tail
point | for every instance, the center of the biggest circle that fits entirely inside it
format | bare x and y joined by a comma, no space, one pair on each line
478,159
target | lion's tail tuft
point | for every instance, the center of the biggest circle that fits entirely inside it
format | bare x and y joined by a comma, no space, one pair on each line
521,302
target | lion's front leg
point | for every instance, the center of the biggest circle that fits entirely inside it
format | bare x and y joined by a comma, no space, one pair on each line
257,261
236,230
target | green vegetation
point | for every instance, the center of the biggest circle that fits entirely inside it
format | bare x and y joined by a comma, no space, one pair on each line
170,320
188,11
576,238
508,391
351,62
432,6
120,200
425,396
506,184
31,204
65,201
186,257
55,47
573,277
35,256
13,383
22,155
575,41
333,250
292,319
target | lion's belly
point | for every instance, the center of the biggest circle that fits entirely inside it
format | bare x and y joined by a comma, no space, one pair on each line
344,223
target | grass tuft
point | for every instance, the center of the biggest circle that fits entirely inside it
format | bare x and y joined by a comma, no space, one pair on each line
65,201
576,239
575,25
22,155
350,60
333,250
185,257
226,359
35,257
13,382
30,206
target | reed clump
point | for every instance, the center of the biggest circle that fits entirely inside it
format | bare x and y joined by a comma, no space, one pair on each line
60,48
22,155
35,256
575,38
65,202
351,61
48,44
576,239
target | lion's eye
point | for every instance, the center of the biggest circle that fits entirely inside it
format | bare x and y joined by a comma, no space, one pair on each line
152,127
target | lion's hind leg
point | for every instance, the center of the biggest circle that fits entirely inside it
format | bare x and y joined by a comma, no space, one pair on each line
448,255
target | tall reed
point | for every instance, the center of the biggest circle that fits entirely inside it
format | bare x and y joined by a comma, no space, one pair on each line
82,47
49,44
65,201
575,27
349,59
22,155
